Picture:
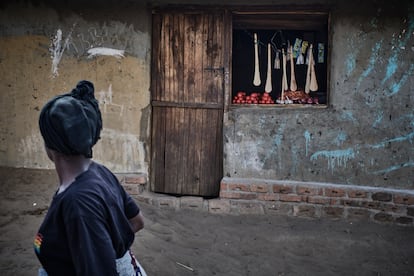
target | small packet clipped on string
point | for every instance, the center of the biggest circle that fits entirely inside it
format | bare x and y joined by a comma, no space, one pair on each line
321,52
301,58
296,47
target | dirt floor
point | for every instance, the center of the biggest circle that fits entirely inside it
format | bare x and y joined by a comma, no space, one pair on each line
196,243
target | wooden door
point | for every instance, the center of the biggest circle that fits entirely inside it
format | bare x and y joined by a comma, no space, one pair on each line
187,103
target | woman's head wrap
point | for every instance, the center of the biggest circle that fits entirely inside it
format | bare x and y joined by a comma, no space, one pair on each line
71,123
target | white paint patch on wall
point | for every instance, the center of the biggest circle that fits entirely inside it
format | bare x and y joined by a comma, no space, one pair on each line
121,152
57,49
102,51
105,99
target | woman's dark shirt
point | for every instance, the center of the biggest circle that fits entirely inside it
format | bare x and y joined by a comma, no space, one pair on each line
86,227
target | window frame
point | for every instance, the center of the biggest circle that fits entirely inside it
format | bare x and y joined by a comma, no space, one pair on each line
287,18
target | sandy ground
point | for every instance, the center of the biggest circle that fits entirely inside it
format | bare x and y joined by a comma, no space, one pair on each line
195,243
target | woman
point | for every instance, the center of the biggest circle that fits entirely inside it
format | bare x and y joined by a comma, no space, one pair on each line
90,224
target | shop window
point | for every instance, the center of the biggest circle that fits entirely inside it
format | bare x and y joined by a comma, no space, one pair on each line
280,58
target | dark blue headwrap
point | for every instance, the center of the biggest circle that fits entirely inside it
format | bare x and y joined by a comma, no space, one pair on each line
71,123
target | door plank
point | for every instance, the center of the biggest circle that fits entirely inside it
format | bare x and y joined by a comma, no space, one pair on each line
158,138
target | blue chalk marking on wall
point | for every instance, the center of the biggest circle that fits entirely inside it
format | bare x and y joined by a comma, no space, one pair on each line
348,115
307,141
278,140
412,119
393,60
379,119
340,139
408,137
391,67
278,137
373,59
396,167
335,157
396,86
293,169
350,63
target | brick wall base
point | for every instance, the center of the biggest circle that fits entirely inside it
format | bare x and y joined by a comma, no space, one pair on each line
292,198
316,200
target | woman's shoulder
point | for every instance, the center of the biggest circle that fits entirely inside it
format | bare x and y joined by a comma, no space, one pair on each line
102,170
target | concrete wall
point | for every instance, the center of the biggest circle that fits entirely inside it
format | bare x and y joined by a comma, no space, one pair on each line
46,50
364,137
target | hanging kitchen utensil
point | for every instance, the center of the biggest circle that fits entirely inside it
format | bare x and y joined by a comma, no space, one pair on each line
313,86
288,52
277,60
268,85
256,79
308,72
285,83
293,85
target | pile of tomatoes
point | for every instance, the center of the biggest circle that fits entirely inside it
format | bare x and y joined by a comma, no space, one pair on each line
253,98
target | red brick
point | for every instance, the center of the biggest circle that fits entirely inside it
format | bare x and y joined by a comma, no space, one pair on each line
239,187
224,186
358,213
410,211
383,217
282,189
357,194
248,196
167,202
352,202
371,204
390,207
304,211
224,194
404,220
238,195
135,179
334,192
259,188
382,196
190,202
290,198
278,208
247,207
268,197
144,198
218,206
404,199
335,212
318,200
335,201
303,190
132,189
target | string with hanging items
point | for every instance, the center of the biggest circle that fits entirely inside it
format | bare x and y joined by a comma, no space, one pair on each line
277,48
